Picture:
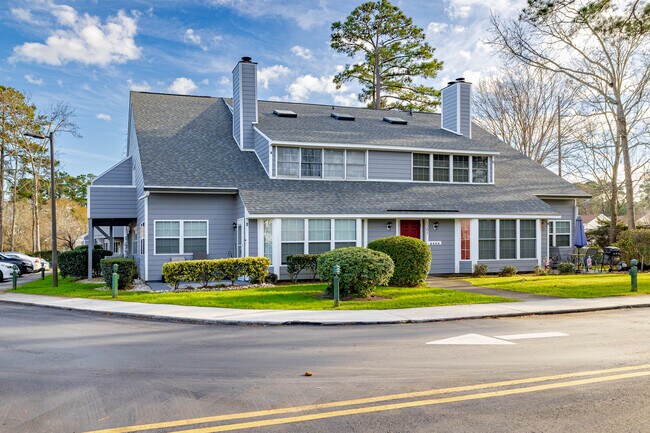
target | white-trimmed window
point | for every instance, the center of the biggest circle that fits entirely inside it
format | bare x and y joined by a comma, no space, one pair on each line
461,168
316,235
311,162
527,239
421,170
440,168
355,164
288,161
480,169
180,237
507,239
559,233
268,239
334,164
487,240
142,235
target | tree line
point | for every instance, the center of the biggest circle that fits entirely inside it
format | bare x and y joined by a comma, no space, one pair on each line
25,176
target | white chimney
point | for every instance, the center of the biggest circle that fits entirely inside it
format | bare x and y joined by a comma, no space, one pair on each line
456,107
244,101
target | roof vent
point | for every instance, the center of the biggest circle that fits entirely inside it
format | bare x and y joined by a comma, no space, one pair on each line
342,116
284,113
395,121
246,59
460,80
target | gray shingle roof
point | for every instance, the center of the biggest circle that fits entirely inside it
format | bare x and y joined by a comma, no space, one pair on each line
186,141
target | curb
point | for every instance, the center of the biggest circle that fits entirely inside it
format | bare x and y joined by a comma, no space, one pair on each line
188,320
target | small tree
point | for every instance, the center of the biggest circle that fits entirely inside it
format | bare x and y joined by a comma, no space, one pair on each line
395,54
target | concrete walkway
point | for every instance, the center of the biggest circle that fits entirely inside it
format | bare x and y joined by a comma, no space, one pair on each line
210,315
463,286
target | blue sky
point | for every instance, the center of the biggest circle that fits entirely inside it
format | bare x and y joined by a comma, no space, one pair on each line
91,53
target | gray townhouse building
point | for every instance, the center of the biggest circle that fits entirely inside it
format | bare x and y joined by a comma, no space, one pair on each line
213,177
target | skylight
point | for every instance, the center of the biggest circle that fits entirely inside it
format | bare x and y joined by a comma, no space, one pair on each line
342,116
284,113
395,121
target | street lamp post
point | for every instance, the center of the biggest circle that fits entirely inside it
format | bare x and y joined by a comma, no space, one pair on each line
55,258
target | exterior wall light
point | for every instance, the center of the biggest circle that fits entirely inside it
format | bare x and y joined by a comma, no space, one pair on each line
234,226
389,225
435,225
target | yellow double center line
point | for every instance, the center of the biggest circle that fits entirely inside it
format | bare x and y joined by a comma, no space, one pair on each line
625,373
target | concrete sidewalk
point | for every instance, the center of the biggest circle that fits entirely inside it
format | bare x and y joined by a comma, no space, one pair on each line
209,315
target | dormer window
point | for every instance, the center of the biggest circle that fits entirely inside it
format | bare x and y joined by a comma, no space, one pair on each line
284,113
461,168
480,170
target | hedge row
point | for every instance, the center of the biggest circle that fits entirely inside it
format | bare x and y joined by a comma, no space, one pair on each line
75,263
127,270
205,271
296,263
361,269
412,258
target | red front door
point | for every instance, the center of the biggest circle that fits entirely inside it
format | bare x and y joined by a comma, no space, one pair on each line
410,228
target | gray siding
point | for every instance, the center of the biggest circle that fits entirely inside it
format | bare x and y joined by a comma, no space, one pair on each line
262,150
465,267
450,107
120,174
442,256
249,102
465,114
377,229
389,165
138,181
252,238
567,210
217,209
236,106
525,265
112,202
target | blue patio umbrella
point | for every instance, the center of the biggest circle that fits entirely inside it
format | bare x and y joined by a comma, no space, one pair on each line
579,237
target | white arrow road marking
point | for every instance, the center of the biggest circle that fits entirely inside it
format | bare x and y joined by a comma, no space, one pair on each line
535,335
470,339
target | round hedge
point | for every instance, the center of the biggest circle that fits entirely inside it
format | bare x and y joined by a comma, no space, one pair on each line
412,258
361,270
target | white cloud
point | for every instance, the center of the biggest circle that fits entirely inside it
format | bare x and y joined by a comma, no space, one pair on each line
22,14
303,52
182,86
205,81
224,81
104,116
462,9
138,87
33,80
59,82
435,27
271,73
84,39
306,85
192,38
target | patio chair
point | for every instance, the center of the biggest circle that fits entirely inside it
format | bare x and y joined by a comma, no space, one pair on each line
555,257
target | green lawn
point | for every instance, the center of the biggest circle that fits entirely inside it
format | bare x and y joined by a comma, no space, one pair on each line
288,297
568,286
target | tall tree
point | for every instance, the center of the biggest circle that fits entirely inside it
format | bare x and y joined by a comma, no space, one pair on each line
519,104
597,44
396,57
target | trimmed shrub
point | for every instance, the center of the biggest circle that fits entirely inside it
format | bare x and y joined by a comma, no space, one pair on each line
47,255
412,259
127,271
204,271
297,263
540,270
85,247
508,271
567,268
361,270
480,270
75,263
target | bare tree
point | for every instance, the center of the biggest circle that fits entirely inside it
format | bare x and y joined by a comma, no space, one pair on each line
595,43
519,104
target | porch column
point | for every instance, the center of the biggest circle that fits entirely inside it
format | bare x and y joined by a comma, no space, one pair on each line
111,239
91,245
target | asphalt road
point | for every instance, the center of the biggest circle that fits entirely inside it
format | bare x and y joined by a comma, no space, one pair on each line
65,371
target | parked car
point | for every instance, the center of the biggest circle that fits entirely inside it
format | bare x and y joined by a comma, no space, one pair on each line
46,264
24,266
6,271
36,262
